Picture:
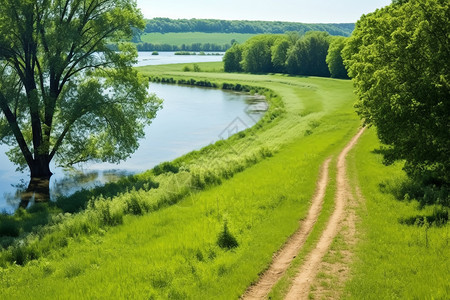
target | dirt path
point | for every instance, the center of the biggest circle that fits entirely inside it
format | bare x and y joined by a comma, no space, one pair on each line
284,257
302,282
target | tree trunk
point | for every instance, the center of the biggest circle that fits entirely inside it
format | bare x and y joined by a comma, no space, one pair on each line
39,185
40,167
39,188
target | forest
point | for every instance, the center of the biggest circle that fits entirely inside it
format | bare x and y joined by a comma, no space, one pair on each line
166,25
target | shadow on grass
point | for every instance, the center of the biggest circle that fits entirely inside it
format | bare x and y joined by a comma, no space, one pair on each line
427,196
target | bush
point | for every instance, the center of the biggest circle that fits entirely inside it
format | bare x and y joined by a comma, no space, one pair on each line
166,167
225,239
197,68
8,227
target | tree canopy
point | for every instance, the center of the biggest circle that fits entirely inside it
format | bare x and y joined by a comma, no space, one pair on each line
64,94
398,58
334,58
257,55
307,55
232,59
165,25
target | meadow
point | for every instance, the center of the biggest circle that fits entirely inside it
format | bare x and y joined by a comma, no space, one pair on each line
172,252
162,241
188,38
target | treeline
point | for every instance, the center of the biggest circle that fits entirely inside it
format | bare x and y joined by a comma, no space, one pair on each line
313,54
192,47
165,25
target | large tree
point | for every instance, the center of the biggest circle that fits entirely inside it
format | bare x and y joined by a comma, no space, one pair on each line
308,55
232,59
399,59
64,94
257,54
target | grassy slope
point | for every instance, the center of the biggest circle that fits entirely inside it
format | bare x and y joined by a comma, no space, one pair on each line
189,38
393,260
171,253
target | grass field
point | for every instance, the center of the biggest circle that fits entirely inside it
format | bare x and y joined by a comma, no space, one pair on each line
395,260
172,252
189,38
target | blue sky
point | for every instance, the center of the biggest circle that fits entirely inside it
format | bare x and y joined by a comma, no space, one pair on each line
306,11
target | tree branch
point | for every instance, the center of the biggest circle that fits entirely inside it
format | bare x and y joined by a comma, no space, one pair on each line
12,121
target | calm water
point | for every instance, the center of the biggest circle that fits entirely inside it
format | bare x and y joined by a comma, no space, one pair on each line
164,58
190,119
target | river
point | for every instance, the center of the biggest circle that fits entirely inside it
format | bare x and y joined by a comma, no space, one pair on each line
191,118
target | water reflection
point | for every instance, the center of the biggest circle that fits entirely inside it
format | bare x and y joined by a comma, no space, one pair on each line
190,119
38,190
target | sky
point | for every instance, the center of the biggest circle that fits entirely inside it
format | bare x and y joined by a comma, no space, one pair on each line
304,11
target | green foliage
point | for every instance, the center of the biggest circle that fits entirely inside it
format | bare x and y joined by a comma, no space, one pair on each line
287,53
403,252
197,68
232,59
167,248
257,54
398,58
279,54
166,25
308,55
190,41
166,167
64,94
334,58
226,240
8,227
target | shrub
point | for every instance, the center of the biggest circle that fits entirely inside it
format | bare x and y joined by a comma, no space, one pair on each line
8,227
225,239
165,167
197,68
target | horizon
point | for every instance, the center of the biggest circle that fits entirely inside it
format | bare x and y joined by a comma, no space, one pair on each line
249,20
297,11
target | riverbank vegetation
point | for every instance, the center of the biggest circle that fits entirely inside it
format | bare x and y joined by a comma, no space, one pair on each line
303,126
212,219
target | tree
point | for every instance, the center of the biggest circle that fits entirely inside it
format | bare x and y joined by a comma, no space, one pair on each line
334,58
232,59
308,55
64,94
279,54
398,58
257,55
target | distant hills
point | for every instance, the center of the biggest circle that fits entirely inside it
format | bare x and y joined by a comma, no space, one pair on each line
166,25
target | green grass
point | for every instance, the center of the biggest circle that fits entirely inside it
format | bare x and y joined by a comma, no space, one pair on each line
189,38
261,192
394,260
